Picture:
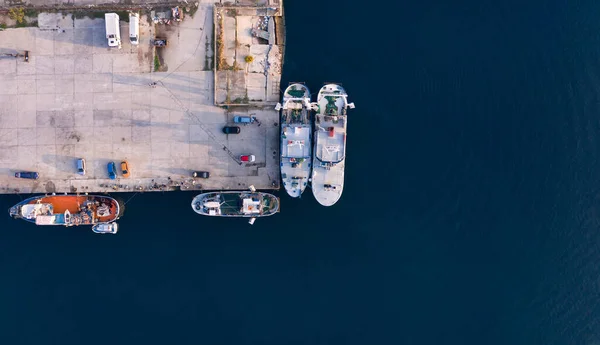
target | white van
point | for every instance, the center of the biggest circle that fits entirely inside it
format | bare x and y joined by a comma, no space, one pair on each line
113,33
134,28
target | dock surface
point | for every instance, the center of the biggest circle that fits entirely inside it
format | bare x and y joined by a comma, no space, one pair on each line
78,98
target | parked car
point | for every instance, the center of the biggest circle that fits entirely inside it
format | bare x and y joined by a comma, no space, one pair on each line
81,166
201,174
27,174
231,130
247,158
159,42
125,168
243,119
112,170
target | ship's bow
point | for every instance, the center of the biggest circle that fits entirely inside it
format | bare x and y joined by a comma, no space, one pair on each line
14,211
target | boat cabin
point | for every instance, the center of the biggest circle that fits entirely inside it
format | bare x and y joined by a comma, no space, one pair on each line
251,206
212,208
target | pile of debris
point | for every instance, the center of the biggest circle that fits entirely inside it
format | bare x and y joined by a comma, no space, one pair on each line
262,23
263,29
168,16
177,14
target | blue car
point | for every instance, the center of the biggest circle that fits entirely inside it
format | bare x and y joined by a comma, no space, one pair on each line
112,170
243,119
27,174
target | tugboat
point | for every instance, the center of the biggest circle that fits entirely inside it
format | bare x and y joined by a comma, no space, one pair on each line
329,158
250,204
68,210
296,134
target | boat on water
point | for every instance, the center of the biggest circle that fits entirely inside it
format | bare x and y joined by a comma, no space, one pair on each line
67,210
250,204
329,158
105,228
296,134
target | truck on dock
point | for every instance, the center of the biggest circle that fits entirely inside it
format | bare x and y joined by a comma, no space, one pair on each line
113,33
134,28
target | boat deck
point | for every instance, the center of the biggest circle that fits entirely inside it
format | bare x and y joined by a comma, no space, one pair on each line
328,183
330,145
295,159
231,204
295,114
73,203
236,204
330,137
295,142
296,135
330,125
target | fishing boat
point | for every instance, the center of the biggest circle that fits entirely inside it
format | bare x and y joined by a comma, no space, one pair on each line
329,158
296,134
67,210
249,204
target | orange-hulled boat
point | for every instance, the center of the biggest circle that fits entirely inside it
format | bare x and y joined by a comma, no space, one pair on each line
67,210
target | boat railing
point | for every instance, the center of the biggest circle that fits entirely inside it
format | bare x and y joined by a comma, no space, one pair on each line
324,163
295,157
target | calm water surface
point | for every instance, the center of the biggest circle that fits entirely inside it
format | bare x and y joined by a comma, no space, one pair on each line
470,213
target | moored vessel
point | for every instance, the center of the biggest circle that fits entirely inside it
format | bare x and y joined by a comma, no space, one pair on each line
296,133
105,228
249,204
67,210
329,157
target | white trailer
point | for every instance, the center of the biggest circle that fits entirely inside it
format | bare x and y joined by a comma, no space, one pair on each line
134,28
113,33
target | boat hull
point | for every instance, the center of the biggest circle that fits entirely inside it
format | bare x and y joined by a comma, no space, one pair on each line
296,139
67,210
236,204
329,153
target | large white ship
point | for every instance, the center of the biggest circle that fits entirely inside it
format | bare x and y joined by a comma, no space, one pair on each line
296,134
330,144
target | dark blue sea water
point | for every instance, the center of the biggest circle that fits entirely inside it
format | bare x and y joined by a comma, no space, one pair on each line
470,215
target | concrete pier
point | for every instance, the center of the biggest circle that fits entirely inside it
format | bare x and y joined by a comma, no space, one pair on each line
78,98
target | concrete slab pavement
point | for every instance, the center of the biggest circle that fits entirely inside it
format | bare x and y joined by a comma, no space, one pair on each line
78,98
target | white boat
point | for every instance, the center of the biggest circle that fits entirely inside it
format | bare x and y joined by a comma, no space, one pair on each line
296,134
329,158
250,204
105,228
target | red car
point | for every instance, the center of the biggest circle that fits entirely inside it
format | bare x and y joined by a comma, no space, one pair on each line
247,158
